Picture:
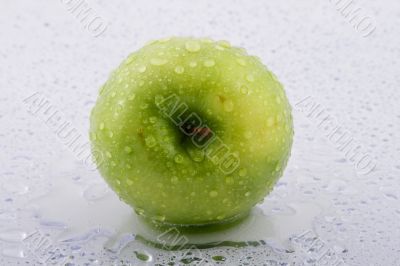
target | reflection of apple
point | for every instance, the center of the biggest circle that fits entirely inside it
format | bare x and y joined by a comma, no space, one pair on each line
191,131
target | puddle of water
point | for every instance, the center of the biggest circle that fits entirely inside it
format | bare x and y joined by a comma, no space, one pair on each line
84,211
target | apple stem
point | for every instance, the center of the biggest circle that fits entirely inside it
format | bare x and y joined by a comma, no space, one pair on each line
204,131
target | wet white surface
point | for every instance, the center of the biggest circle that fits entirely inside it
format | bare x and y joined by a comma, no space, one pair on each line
329,208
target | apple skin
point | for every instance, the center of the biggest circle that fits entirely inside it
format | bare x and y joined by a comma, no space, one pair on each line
155,167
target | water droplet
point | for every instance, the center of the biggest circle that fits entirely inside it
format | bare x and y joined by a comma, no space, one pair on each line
150,141
196,154
247,194
218,258
95,192
93,136
129,182
206,40
152,119
174,180
131,97
179,69
213,194
15,187
128,149
108,154
101,126
244,90
250,78
241,61
110,134
242,172
143,256
12,236
141,69
164,40
158,61
178,158
224,43
229,180
389,192
193,64
158,99
228,105
209,63
192,46
248,135
270,121
113,94
13,252
160,218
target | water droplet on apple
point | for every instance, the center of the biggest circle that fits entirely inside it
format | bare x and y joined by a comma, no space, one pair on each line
141,69
164,40
93,136
152,119
113,94
220,217
213,194
150,141
209,63
128,149
196,154
224,43
228,105
110,134
179,69
244,90
174,180
248,135
158,99
206,40
247,194
158,61
241,61
101,126
140,211
131,97
193,64
250,78
219,47
108,154
242,172
229,180
178,158
192,46
270,121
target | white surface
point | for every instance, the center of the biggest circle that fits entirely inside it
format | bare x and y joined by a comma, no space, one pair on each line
314,50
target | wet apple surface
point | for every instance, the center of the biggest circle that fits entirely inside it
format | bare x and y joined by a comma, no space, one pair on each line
191,131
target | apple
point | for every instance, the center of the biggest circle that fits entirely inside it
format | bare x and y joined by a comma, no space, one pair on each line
191,131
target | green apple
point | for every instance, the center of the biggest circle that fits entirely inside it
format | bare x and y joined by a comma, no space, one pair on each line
191,131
